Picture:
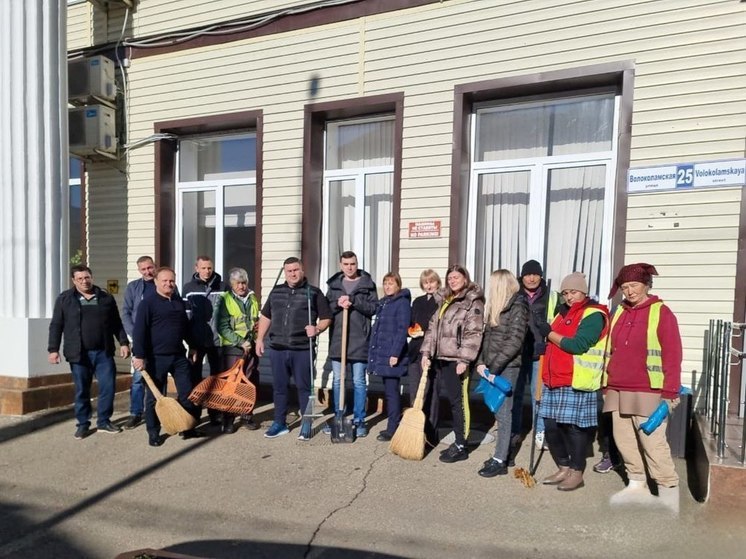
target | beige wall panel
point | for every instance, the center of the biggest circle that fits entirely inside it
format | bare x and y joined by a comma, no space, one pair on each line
682,210
159,16
667,199
726,223
659,235
733,110
78,26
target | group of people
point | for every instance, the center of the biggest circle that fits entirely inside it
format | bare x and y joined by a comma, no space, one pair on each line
565,346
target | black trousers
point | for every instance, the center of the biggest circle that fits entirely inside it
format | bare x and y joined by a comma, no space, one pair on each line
456,390
567,443
159,366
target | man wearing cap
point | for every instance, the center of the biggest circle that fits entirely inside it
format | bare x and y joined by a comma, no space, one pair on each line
542,303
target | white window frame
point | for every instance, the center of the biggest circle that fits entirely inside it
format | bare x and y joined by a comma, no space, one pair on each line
217,186
329,262
539,168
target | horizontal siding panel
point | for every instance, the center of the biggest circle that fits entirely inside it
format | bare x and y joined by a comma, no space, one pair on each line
724,222
685,211
658,235
686,197
78,26
686,247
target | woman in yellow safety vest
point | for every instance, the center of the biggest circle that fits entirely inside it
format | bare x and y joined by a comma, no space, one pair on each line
571,372
644,368
237,314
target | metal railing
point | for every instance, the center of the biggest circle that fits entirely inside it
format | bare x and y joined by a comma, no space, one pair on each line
713,397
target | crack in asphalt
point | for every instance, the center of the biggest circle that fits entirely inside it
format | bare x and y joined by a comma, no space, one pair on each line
309,545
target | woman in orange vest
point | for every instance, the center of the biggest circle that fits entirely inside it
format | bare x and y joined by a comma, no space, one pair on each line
644,369
571,373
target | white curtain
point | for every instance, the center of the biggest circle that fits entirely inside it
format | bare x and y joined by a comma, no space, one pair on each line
356,145
502,223
340,220
379,203
575,224
558,127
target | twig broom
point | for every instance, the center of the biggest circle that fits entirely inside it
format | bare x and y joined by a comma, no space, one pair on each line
174,419
409,439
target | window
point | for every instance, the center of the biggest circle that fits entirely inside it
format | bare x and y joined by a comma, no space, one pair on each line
352,184
77,236
358,194
542,180
216,202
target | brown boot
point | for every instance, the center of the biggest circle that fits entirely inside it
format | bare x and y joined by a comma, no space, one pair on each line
558,476
573,481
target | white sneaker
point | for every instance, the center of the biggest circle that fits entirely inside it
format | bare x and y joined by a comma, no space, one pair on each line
669,498
636,493
539,438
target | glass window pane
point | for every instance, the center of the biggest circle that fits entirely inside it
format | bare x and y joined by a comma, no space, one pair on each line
379,204
340,220
202,159
560,127
575,215
239,233
361,144
502,223
198,228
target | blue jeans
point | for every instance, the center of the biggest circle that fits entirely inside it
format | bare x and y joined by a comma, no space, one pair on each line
286,363
503,417
94,363
137,394
359,388
529,369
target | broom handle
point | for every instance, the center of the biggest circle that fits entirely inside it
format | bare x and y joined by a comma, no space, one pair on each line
420,397
151,385
344,362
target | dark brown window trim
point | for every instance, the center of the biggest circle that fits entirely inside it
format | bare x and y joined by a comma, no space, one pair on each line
282,24
315,117
739,311
165,178
620,75
83,215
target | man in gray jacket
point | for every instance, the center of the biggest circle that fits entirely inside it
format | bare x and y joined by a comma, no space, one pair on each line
136,291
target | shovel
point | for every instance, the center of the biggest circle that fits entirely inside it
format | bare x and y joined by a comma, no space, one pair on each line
342,429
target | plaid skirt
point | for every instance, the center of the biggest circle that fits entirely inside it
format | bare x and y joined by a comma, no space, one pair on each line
566,405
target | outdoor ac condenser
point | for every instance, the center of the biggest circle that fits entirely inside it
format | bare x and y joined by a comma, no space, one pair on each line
92,129
90,78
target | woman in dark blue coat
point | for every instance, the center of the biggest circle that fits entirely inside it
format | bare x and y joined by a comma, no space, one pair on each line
387,354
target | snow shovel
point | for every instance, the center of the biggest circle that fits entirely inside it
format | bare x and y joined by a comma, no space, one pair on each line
342,429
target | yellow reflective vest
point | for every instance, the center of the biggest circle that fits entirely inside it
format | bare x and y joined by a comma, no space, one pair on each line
589,367
241,319
654,359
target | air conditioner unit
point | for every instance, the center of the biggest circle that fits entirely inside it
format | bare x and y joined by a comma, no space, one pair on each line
91,78
92,129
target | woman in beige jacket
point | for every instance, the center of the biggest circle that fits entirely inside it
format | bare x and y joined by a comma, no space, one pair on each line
451,345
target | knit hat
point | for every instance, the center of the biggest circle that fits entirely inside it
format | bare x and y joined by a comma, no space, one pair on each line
531,267
640,271
575,281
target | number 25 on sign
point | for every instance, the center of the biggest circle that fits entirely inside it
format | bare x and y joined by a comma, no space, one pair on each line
684,176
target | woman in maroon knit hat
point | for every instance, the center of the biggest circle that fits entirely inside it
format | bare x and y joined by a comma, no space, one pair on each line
644,369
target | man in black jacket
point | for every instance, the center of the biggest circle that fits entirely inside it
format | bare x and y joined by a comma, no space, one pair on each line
202,295
352,289
541,303
88,318
161,327
289,318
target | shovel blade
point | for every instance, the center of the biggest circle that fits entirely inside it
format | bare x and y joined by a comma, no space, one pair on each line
342,430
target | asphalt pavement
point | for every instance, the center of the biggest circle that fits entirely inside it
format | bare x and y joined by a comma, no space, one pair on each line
245,496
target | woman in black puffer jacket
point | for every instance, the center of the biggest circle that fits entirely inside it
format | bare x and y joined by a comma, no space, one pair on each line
506,321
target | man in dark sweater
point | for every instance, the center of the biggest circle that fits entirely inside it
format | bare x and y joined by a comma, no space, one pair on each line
88,318
161,327
289,318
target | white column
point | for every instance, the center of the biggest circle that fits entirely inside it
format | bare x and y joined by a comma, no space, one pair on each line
34,188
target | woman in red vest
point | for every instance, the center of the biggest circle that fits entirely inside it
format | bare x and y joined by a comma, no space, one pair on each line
571,373
644,370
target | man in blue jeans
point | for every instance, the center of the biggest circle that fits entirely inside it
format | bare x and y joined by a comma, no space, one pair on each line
352,289
285,320
88,318
136,291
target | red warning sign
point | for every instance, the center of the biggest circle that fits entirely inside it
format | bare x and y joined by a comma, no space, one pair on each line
424,229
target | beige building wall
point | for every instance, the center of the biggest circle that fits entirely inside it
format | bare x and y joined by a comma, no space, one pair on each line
689,104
